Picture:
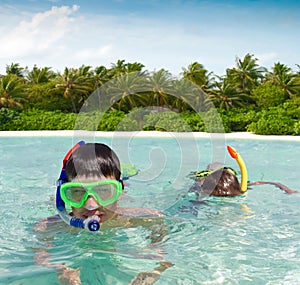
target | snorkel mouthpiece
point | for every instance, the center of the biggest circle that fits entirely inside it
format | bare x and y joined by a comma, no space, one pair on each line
92,225
244,179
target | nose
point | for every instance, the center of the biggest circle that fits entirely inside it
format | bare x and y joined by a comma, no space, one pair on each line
91,203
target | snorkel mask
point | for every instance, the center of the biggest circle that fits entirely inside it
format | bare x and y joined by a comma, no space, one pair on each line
105,192
89,223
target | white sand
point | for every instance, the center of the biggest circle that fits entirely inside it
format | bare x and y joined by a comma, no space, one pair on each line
237,135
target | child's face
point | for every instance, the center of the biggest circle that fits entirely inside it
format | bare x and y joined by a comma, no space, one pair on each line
91,206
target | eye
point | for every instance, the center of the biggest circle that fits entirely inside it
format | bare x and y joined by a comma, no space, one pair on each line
106,191
75,193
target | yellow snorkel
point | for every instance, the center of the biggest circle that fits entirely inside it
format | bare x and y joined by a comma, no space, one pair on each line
244,179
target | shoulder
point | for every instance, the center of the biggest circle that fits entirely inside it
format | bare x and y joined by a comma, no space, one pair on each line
44,224
139,212
133,217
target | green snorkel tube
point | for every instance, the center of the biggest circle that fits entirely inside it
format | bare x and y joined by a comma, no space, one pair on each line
244,174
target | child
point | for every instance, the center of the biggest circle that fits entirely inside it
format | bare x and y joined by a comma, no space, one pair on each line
90,184
219,181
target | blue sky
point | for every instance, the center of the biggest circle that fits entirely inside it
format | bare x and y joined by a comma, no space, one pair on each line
168,34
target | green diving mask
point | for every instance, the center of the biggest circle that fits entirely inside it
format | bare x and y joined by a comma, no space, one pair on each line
105,192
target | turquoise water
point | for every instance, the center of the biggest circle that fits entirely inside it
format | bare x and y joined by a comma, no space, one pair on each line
248,240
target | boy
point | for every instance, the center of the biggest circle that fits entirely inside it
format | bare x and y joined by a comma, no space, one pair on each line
220,181
90,183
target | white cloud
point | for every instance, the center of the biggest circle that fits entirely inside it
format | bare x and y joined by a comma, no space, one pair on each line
40,34
65,36
60,37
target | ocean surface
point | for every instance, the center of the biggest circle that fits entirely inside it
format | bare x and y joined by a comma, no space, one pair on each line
253,239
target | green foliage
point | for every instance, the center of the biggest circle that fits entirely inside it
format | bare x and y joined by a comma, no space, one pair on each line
297,128
7,116
41,120
268,95
138,115
110,120
275,121
248,98
283,120
43,96
194,120
11,91
238,120
215,122
292,108
166,121
88,121
128,125
185,122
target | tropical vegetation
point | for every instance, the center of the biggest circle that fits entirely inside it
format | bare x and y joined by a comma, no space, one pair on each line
127,97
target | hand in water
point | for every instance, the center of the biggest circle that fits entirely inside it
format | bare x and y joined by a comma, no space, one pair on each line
69,276
147,278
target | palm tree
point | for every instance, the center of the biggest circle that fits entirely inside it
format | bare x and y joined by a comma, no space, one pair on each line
11,91
73,83
187,96
85,70
283,77
198,75
117,69
121,68
100,76
39,83
225,96
160,83
126,90
246,75
135,67
40,75
15,69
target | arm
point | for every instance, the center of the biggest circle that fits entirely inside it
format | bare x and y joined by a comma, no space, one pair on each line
276,184
147,218
65,275
159,229
147,278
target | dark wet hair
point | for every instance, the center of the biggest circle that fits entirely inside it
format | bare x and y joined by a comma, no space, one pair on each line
221,183
93,160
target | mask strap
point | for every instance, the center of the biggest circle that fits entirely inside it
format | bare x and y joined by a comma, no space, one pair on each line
60,204
203,173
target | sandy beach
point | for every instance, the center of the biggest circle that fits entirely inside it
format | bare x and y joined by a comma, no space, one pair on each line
237,135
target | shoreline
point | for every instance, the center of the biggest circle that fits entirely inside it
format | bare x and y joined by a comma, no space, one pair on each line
150,134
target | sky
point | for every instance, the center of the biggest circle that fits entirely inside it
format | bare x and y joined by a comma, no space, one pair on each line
169,34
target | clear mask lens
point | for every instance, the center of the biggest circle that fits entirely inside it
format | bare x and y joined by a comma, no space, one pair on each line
105,192
75,193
